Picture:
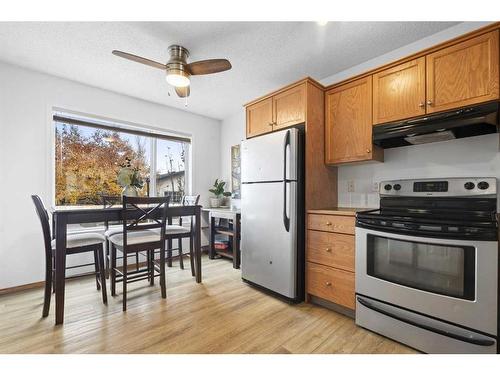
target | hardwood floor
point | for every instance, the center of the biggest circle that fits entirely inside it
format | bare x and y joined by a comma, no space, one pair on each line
222,315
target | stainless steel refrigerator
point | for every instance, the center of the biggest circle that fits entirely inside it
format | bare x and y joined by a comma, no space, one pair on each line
272,212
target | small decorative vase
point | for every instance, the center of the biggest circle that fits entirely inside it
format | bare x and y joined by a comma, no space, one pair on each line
130,191
215,202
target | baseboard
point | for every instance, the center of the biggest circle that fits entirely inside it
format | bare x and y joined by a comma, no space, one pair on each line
41,284
19,288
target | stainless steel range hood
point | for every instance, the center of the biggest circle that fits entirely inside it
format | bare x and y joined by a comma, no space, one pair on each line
461,123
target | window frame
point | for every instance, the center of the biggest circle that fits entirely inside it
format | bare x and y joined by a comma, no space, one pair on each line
154,133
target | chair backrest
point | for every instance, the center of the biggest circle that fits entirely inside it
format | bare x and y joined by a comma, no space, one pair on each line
144,213
110,200
190,200
44,221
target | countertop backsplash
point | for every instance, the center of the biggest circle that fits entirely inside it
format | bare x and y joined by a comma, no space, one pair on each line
468,157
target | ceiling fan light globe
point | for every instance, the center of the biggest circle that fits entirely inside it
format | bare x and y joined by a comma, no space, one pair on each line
177,78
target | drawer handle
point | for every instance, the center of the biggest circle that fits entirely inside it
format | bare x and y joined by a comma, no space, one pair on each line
328,283
328,223
328,250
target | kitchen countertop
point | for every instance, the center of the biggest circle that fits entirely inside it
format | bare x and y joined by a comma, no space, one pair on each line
344,211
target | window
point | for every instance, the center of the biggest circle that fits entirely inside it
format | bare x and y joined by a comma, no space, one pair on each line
89,155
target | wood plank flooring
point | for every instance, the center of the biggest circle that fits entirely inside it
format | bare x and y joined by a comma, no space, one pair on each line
222,315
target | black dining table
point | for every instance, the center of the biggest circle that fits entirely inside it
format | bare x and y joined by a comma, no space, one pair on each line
63,216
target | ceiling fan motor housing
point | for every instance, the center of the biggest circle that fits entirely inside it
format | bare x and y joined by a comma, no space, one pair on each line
178,59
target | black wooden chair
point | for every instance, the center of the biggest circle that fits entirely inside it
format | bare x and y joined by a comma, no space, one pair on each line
75,244
109,230
187,200
143,231
179,232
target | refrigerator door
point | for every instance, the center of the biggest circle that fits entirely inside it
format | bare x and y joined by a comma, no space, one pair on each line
263,158
268,249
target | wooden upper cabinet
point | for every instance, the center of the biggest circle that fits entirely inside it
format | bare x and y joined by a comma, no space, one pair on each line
348,126
399,92
463,74
290,107
260,117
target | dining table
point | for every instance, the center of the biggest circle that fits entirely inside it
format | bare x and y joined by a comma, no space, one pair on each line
62,216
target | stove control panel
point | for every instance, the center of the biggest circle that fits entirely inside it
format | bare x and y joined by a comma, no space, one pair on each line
452,187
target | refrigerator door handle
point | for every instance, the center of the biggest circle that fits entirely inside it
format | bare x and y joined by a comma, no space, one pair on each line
286,219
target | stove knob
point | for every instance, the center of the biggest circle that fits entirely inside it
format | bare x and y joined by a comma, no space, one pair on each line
483,185
469,185
387,187
397,187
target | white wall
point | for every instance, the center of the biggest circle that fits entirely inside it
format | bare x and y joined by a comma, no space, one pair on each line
26,102
232,133
469,157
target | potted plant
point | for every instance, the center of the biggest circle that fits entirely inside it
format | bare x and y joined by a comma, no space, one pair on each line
130,179
218,191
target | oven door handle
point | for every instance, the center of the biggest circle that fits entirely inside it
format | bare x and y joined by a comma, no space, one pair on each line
470,340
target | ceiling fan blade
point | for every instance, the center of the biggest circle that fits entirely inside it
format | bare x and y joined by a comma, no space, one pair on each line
209,66
182,92
139,59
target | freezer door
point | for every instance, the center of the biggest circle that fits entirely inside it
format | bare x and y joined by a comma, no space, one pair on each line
268,250
263,158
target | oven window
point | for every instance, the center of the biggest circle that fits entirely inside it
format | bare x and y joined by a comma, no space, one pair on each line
442,269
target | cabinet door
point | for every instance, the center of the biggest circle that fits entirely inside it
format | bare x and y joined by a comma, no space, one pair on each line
260,118
463,74
399,92
348,126
290,107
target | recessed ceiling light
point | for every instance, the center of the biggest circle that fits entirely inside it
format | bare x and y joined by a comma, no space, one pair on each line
322,23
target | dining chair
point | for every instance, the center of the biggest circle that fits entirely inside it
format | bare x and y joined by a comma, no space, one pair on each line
109,201
143,230
180,232
76,243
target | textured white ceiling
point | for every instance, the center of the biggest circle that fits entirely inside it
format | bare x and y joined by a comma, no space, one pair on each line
264,55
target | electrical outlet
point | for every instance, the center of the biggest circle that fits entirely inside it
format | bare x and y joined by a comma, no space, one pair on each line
375,187
350,186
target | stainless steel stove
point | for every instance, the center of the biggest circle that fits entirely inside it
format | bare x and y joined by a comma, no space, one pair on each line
427,265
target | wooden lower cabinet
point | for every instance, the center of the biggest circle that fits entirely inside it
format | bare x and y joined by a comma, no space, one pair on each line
331,223
331,284
330,252
331,249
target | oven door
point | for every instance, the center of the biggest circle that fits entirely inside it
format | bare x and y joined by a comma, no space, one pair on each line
453,280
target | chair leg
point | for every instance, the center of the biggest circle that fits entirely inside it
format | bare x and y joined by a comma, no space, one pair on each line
191,254
181,261
163,281
53,275
96,270
102,274
49,280
169,252
106,244
124,271
113,270
151,266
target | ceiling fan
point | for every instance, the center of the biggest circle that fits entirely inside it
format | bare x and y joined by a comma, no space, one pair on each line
178,70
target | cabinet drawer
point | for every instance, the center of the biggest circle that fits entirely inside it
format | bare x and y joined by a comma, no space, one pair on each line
331,284
331,249
331,223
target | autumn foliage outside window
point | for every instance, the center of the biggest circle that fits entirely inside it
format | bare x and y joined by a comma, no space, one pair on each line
87,161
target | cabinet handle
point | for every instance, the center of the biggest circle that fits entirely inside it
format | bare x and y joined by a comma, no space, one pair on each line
328,223
421,104
270,124
328,283
328,250
429,102
368,150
